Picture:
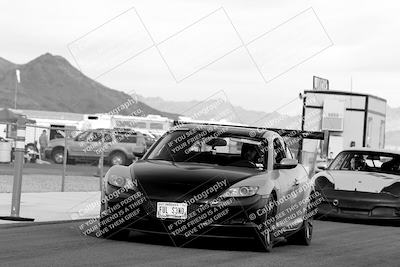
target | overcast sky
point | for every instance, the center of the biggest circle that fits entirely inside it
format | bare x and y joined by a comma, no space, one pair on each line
261,53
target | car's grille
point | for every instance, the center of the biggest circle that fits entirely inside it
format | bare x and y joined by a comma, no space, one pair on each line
196,208
150,207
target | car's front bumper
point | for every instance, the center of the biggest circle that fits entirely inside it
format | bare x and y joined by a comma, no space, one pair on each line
359,205
230,219
148,225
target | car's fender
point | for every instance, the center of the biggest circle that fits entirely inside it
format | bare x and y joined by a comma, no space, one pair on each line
323,174
57,147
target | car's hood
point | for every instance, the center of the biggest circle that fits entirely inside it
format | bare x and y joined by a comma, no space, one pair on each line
372,182
167,181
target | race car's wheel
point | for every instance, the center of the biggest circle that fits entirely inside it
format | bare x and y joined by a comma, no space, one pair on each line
58,155
117,158
266,236
304,235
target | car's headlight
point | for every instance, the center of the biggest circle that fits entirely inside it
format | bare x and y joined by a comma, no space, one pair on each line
241,191
119,181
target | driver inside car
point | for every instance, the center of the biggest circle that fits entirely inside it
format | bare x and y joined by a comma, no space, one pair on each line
358,163
250,152
251,156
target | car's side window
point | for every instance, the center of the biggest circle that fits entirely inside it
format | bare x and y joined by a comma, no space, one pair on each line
82,137
89,137
126,138
288,152
96,137
279,151
107,137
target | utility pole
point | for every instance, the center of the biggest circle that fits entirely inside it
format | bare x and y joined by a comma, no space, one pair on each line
17,81
18,162
18,167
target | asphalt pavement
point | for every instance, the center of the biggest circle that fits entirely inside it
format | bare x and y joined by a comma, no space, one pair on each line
63,244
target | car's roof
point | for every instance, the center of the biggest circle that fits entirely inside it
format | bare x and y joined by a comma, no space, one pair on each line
114,130
368,149
231,129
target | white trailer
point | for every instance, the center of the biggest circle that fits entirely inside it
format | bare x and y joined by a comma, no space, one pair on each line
348,120
43,121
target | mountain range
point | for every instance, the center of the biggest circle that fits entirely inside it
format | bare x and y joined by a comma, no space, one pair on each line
52,83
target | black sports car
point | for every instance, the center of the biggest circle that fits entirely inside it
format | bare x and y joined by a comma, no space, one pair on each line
209,180
361,184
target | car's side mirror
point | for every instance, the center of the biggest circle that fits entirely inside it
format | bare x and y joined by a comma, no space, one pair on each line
286,163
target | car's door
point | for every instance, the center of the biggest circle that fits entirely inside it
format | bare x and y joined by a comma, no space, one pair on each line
124,141
94,145
109,141
288,184
300,190
78,145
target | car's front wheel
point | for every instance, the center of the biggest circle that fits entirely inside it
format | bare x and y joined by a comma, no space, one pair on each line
58,155
304,235
118,158
266,228
107,226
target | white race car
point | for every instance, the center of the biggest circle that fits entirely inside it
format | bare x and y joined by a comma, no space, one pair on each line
361,184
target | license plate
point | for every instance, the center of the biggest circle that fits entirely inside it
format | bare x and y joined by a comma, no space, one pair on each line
171,210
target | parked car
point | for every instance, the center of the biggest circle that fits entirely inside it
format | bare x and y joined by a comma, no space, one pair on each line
119,147
361,184
202,180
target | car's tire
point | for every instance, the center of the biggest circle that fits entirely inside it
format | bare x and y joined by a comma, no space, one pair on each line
57,155
304,235
265,236
118,158
108,232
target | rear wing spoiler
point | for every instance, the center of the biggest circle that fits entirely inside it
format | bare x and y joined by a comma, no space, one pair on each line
298,133
315,135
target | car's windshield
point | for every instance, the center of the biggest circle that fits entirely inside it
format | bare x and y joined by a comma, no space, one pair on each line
210,147
367,161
